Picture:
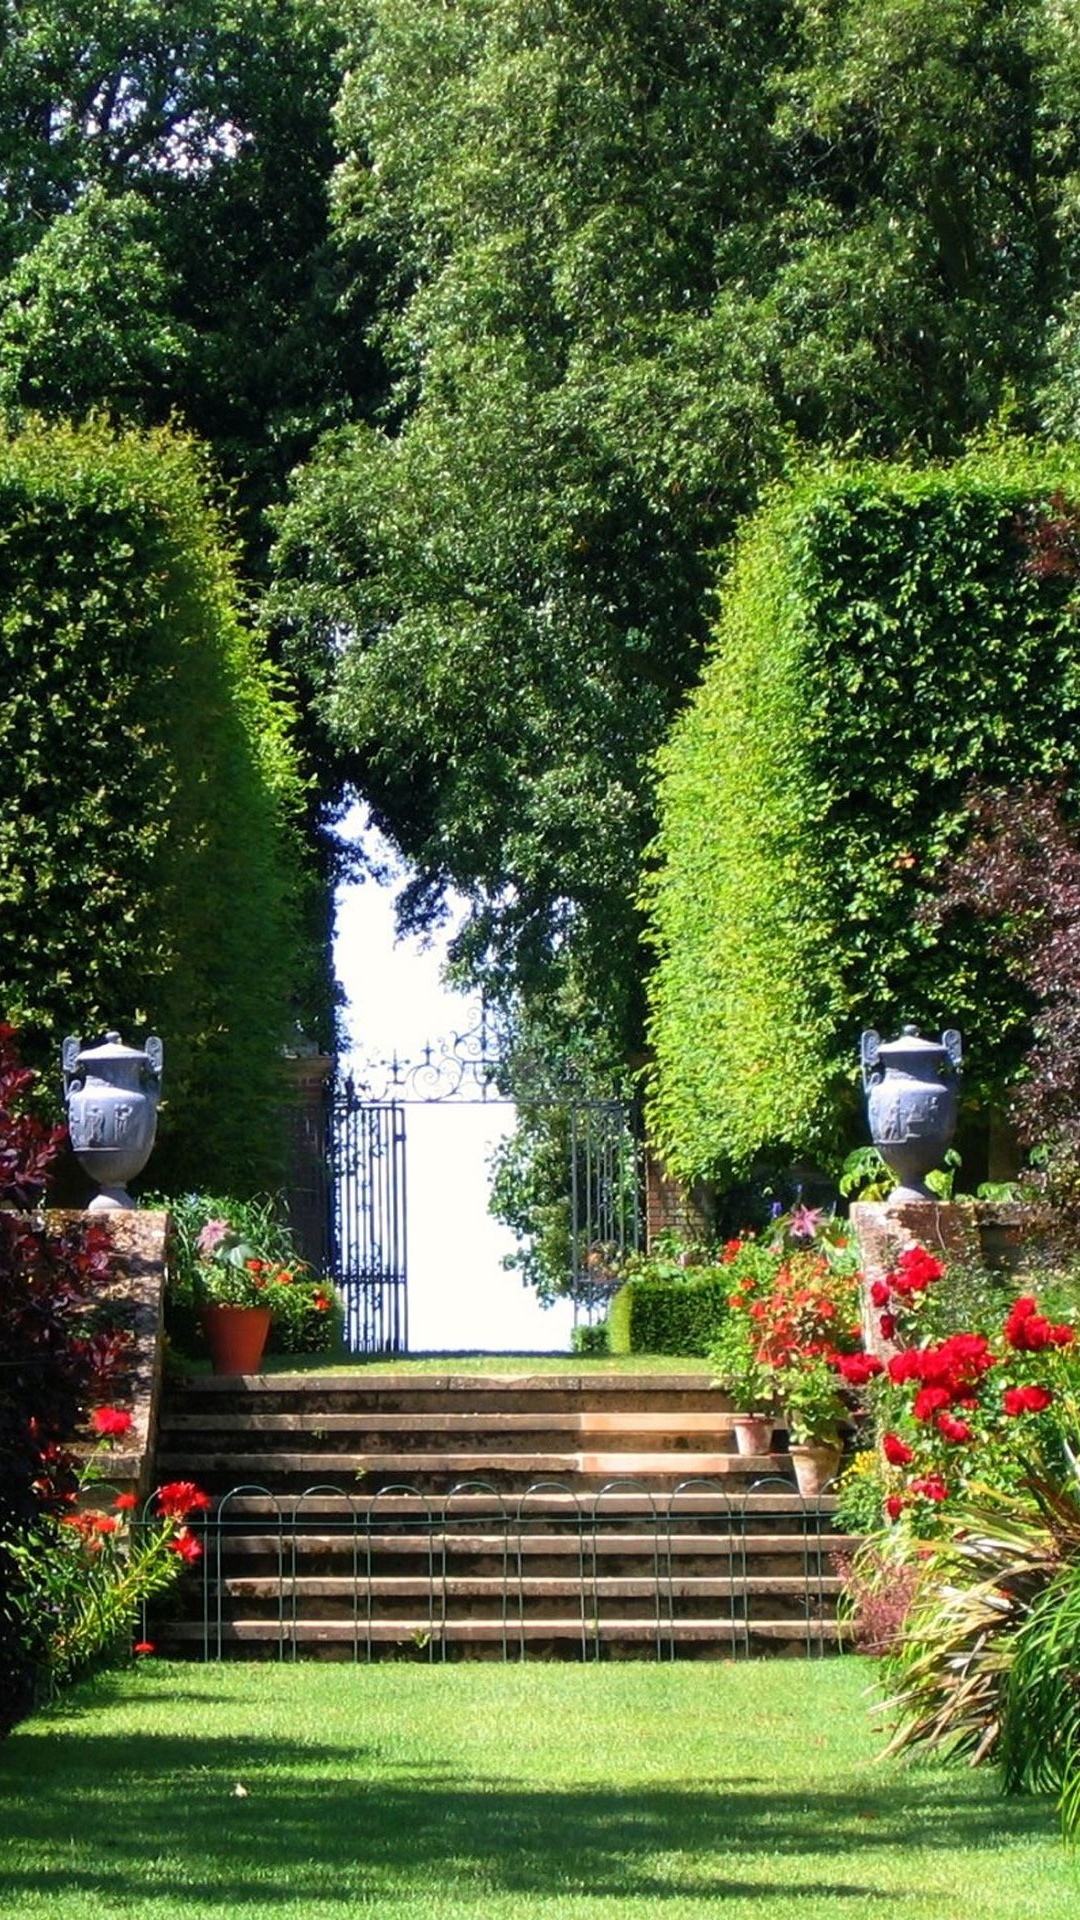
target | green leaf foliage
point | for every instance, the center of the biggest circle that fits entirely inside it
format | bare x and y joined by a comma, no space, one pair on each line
668,1316
887,640
148,877
164,241
632,256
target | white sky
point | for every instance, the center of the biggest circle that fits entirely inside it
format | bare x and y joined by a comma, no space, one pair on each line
460,1298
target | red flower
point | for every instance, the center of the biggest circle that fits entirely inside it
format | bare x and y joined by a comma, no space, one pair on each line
879,1293
126,1502
186,1545
730,1251
896,1452
111,1421
1028,1331
930,1400
917,1268
321,1303
858,1368
180,1497
1026,1399
952,1428
931,1486
144,1646
894,1505
887,1324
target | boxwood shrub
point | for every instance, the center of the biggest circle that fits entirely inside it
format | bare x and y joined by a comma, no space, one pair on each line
668,1316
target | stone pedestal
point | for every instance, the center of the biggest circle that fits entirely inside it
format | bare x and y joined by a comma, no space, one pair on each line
882,1232
137,1286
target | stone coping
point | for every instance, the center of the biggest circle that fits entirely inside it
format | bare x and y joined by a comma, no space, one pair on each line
360,1378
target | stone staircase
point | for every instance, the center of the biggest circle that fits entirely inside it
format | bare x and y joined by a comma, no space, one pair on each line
367,1514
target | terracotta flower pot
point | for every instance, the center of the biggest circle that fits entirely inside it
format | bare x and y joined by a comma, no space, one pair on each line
753,1432
815,1466
236,1337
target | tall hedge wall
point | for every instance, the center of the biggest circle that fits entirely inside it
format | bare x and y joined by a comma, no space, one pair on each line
147,873
888,637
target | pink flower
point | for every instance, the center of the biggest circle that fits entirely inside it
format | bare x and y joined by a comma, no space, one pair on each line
211,1237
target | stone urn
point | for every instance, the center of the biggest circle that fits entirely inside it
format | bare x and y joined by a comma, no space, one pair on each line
112,1100
912,1089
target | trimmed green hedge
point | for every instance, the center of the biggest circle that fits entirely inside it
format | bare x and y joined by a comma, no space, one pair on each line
667,1316
889,637
148,872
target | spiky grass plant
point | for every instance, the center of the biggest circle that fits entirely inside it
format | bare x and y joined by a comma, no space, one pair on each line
989,1667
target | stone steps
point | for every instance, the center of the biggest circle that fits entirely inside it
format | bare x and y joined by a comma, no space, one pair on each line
717,1637
367,1516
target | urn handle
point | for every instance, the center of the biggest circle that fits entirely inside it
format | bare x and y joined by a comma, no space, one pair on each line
869,1049
954,1047
155,1054
69,1060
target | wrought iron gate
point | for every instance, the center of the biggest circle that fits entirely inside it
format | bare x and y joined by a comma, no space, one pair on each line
369,1227
369,1220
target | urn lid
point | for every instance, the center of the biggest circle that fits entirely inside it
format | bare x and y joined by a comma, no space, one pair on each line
912,1049
111,1053
111,1048
911,1044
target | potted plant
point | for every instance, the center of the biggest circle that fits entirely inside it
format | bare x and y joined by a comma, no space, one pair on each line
231,1285
813,1399
747,1378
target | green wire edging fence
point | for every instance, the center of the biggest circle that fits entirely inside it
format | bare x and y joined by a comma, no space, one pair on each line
356,1522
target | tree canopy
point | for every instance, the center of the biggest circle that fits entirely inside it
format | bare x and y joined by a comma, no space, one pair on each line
164,247
635,255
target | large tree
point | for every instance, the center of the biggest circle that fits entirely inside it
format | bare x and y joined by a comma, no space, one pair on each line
164,169
634,254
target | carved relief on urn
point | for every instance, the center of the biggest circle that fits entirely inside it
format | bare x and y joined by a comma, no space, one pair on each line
912,1095
112,1100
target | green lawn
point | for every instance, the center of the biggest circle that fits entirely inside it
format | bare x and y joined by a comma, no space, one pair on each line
503,1793
472,1363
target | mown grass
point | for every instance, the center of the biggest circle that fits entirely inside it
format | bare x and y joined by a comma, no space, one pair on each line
534,1792
512,1364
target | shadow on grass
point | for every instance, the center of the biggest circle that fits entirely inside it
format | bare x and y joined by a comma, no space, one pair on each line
105,1815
